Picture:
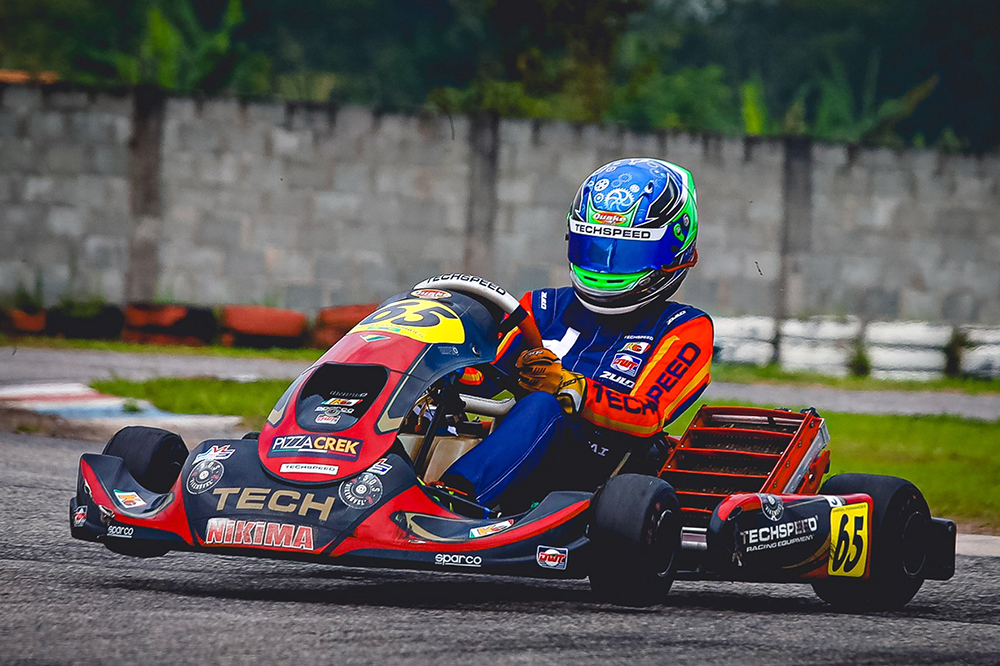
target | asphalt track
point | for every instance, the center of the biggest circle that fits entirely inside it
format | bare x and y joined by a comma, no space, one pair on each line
66,601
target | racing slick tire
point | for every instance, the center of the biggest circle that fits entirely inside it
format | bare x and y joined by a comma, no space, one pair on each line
635,536
153,456
901,523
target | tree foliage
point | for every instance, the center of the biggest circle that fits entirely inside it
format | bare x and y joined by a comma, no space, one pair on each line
888,72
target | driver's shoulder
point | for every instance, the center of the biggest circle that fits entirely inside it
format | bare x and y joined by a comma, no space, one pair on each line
676,315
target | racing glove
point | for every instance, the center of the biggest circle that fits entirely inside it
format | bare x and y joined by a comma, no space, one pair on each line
541,370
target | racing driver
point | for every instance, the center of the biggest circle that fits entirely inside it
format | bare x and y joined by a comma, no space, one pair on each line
620,360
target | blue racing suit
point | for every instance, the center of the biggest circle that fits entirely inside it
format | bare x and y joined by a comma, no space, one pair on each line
642,370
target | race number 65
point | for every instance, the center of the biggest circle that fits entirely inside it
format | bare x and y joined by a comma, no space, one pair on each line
849,539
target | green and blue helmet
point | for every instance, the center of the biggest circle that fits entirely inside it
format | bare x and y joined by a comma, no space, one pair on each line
632,232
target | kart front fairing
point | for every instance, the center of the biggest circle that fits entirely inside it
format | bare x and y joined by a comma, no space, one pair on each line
339,488
342,414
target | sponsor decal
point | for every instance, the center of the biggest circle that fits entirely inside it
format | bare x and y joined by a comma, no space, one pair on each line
458,560
772,507
616,378
311,445
328,418
636,347
283,536
549,557
423,320
305,468
544,301
487,530
373,337
848,540
674,371
343,402
204,476
381,467
780,535
603,217
833,500
361,492
433,294
626,363
462,277
280,500
215,453
79,516
120,531
107,515
128,499
605,231
599,450
623,402
674,317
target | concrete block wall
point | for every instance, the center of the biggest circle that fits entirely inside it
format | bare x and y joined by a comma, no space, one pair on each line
64,196
303,207
306,208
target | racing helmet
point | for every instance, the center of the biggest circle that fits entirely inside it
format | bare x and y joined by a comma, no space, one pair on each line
632,231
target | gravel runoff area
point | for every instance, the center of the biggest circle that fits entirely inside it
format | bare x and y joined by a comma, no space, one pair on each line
67,601
27,365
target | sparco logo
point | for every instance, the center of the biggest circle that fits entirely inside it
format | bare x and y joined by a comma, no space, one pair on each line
551,558
120,531
778,536
458,560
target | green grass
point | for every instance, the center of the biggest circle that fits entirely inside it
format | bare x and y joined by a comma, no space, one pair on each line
250,400
954,461
307,355
736,373
739,373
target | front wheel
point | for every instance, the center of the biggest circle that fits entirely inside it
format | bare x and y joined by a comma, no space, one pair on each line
634,540
153,456
901,524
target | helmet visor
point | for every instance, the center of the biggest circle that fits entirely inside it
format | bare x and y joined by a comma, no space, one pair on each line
611,249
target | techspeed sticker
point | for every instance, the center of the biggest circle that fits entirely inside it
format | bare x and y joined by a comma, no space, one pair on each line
204,476
362,492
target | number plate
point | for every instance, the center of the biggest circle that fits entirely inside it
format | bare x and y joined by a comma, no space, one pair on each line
849,539
423,320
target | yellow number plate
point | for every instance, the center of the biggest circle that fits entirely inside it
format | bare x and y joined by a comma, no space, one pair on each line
849,539
424,320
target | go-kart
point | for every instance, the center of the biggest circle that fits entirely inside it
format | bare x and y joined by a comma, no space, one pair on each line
344,471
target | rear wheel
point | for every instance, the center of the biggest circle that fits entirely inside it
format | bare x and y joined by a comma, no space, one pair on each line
901,524
153,456
634,537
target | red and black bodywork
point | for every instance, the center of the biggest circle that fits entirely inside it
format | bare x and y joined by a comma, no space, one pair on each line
329,481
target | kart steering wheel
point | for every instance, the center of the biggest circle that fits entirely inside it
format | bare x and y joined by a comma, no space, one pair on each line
478,287
487,291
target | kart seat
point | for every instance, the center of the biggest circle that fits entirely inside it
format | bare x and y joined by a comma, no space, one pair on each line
445,450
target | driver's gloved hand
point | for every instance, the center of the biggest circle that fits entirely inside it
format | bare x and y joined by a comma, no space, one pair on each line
541,370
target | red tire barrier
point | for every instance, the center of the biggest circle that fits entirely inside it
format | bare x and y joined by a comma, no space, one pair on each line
99,322
27,323
262,327
334,322
168,324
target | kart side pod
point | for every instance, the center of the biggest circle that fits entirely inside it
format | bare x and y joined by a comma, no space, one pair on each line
803,538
